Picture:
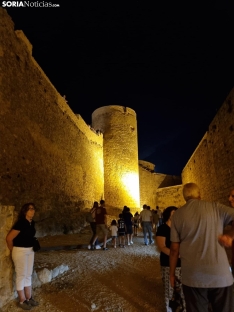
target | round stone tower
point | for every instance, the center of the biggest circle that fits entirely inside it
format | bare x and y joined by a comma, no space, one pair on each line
120,154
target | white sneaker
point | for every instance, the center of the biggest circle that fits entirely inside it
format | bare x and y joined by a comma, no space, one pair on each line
97,247
128,244
131,243
89,246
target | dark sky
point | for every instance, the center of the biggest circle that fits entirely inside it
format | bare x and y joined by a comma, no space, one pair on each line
174,65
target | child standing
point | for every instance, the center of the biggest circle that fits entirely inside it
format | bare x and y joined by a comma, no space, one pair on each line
114,231
121,231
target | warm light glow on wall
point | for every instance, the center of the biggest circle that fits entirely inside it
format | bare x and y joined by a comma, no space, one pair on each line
101,165
130,182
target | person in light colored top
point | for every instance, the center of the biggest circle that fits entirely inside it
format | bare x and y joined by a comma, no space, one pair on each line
147,224
114,232
197,235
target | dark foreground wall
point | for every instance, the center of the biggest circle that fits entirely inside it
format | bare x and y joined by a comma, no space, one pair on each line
212,164
48,155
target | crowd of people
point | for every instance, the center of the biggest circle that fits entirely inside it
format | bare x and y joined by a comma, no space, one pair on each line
195,270
121,229
124,228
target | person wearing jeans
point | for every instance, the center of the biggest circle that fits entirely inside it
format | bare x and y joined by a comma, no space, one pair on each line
147,224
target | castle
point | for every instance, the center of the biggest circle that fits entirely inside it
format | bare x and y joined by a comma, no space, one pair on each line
52,157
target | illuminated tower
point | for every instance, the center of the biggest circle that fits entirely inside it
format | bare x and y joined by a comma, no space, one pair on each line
120,153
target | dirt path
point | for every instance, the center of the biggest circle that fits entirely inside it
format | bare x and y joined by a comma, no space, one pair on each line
117,280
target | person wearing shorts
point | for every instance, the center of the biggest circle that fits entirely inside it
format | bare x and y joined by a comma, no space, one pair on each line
101,224
114,232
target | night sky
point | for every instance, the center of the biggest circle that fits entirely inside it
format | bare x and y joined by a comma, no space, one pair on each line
172,64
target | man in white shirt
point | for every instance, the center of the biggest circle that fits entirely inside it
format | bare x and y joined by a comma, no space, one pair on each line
147,224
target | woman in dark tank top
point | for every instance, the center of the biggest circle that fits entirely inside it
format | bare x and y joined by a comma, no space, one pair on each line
20,243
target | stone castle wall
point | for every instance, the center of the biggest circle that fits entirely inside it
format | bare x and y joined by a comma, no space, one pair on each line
48,154
7,217
148,183
169,196
151,181
120,151
211,165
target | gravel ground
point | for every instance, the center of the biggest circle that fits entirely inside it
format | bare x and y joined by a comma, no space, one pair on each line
117,280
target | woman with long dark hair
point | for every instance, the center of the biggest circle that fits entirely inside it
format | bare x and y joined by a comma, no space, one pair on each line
20,243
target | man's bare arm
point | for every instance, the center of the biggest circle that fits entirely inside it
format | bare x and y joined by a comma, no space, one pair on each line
174,255
227,238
